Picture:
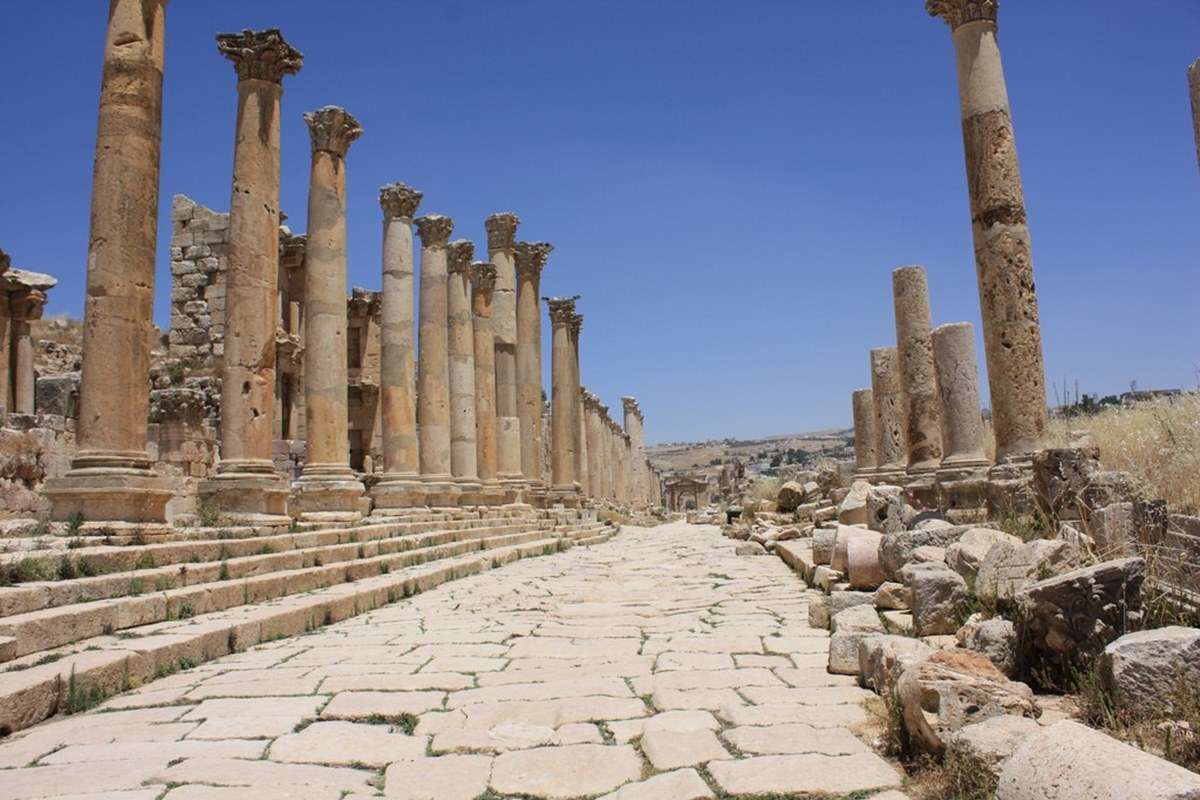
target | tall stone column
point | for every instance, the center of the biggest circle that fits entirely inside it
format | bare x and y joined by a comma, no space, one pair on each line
398,486
433,362
483,288
958,381
634,427
1194,87
918,379
891,449
584,469
530,260
110,481
864,433
1003,258
247,488
501,234
606,452
463,443
580,445
327,489
595,446
26,306
5,344
564,489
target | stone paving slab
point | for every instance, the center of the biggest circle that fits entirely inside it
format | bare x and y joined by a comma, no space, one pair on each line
660,666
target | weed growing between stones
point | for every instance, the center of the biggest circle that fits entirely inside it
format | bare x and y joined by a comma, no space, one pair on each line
82,695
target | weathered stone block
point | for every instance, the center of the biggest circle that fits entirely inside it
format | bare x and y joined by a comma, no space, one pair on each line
939,601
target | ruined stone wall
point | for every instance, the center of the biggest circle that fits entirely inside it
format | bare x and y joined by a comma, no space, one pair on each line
32,449
199,259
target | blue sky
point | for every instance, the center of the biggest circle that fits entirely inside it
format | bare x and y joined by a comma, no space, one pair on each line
728,187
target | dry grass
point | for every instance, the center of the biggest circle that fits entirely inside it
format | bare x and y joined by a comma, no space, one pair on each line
1157,442
766,489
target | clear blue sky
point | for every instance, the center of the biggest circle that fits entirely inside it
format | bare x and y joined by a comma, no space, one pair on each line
728,187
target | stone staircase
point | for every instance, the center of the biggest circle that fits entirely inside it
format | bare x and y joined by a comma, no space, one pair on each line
85,622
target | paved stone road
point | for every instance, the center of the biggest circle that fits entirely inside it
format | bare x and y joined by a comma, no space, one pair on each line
657,666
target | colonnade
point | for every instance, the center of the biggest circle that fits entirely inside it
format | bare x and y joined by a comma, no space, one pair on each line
461,407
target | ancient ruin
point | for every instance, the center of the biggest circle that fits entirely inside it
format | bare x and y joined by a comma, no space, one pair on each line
271,551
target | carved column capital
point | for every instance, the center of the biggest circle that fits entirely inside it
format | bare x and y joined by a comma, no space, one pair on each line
291,249
531,257
483,276
260,55
399,200
562,310
631,405
27,304
332,129
434,229
960,12
459,255
501,230
576,324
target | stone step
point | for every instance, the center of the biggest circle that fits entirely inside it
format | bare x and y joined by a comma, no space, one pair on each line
159,566
47,628
101,667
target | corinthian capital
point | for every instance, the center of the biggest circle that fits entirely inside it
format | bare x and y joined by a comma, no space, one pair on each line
260,55
959,12
483,276
28,304
576,324
332,129
562,309
399,200
501,230
531,256
631,405
434,229
459,255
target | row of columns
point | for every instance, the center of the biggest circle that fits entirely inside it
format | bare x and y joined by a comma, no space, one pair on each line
922,413
461,409
22,300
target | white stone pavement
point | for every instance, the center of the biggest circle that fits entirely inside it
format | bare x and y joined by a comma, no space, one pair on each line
657,666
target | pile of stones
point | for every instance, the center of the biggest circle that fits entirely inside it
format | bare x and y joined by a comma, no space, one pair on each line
972,635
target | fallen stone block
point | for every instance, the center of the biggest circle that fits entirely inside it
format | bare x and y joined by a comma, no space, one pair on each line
848,629
862,561
893,596
1008,568
995,638
981,748
1070,761
897,549
967,554
882,658
1142,670
939,601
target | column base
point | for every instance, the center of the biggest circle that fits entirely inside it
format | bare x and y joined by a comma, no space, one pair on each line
397,493
470,492
246,494
107,496
492,493
890,474
566,496
440,491
331,494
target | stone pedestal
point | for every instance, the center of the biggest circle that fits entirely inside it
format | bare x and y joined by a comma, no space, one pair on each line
461,349
246,488
433,368
501,233
564,488
110,483
891,446
530,261
399,487
327,490
1003,257
864,433
918,379
483,287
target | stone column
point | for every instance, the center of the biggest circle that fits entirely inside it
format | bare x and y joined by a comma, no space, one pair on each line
891,449
564,489
958,382
580,445
625,445
246,488
530,260
918,379
483,287
463,444
398,486
1194,87
864,433
327,489
26,306
584,469
501,233
634,427
1003,258
5,344
605,451
110,481
433,363
595,447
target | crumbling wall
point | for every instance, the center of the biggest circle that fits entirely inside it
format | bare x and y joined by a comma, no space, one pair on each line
199,260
